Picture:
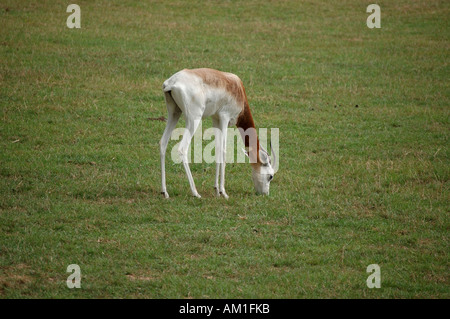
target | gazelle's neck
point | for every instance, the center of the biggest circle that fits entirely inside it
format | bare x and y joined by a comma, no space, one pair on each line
250,136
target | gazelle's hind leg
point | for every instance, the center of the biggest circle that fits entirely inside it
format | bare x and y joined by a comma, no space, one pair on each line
191,126
173,115
192,107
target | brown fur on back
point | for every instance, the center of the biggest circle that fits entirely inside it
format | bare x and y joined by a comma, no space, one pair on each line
218,79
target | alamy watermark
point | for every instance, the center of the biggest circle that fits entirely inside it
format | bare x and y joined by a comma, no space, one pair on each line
74,20
238,135
374,20
74,280
374,280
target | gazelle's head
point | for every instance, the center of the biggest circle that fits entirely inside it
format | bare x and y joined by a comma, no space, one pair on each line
262,171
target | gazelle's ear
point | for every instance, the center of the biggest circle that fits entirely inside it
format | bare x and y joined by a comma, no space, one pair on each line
245,152
264,157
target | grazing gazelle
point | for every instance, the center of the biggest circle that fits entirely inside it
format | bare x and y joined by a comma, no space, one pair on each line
201,93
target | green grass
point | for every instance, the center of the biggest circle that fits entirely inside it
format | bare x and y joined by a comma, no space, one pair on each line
79,164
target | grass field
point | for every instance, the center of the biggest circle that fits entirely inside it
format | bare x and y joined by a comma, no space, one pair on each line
363,116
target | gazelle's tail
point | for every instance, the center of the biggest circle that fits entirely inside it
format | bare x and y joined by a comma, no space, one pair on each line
166,86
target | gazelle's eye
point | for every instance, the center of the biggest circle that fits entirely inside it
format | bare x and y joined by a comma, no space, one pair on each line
270,177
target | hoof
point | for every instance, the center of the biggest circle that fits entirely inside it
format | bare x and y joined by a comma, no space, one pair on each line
165,194
224,194
217,192
197,195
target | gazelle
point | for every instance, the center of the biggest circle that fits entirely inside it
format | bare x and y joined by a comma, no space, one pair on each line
201,93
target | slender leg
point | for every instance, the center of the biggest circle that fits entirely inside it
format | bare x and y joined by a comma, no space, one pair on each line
191,127
223,129
172,119
218,151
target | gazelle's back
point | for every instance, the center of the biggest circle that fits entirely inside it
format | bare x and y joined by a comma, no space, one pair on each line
207,92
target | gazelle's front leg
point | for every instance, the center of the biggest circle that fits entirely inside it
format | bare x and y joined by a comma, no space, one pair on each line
218,144
223,129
